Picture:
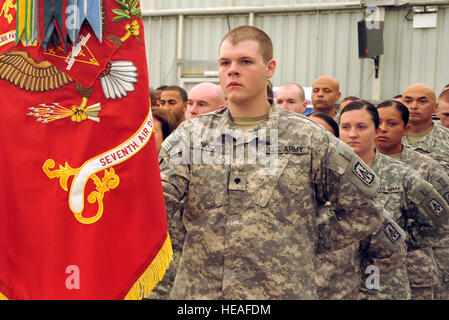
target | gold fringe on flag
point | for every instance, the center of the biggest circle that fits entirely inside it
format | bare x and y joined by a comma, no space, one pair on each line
153,274
2,297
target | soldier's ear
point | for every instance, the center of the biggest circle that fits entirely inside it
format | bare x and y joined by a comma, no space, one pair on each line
271,68
406,130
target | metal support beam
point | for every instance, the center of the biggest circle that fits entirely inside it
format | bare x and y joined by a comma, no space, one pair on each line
254,10
180,46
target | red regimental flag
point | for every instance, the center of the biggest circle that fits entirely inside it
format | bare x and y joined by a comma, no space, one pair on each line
82,211
7,24
85,60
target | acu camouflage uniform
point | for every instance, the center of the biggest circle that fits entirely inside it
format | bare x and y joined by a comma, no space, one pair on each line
435,144
253,235
438,123
418,208
434,173
339,272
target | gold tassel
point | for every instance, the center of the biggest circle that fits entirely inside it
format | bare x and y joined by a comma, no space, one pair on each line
153,274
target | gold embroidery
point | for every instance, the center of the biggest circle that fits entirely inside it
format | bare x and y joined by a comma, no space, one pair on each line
110,181
61,53
8,4
22,70
48,113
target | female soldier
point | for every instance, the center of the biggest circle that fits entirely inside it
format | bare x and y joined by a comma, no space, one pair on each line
338,272
394,118
326,121
411,201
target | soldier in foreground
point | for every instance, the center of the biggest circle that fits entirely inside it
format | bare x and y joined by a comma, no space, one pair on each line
251,229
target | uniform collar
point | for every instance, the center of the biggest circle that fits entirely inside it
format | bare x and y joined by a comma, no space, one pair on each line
266,129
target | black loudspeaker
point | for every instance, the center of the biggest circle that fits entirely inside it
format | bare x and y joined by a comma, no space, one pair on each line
371,38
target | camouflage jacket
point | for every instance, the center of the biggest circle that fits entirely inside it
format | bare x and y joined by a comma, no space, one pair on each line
435,144
418,260
419,209
411,201
432,172
251,229
339,272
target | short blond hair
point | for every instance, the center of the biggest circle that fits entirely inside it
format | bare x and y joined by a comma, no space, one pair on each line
244,33
444,96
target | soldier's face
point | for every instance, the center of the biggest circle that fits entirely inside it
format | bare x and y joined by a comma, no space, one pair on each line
202,100
443,112
325,94
172,101
242,71
288,98
391,129
357,129
420,101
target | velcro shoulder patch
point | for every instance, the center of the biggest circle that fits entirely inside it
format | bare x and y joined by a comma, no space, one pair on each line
170,142
391,235
430,202
436,206
361,171
346,162
441,184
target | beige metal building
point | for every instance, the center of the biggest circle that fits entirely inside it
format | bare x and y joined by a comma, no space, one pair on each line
311,38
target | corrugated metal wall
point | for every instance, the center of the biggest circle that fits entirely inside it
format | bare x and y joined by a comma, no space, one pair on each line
307,45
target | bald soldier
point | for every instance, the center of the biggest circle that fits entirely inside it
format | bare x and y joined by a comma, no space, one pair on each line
203,98
427,137
424,135
325,95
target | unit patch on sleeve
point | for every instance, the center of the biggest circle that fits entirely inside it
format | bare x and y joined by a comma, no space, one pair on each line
391,232
435,207
364,175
